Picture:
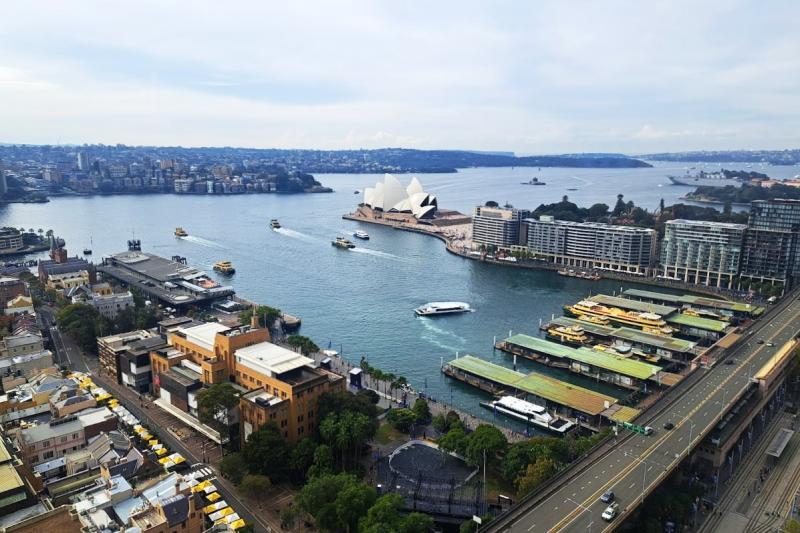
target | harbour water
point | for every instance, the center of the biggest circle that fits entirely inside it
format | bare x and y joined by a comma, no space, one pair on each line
361,301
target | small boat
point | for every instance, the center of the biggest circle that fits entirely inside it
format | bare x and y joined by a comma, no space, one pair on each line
533,181
361,234
274,224
572,189
88,251
529,412
343,243
180,232
356,192
442,308
224,267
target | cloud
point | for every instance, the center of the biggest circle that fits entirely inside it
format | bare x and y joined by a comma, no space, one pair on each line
538,77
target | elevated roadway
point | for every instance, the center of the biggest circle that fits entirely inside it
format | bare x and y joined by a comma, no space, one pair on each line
634,464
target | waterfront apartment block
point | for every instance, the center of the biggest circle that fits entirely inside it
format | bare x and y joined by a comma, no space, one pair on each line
10,240
497,226
772,243
700,252
592,245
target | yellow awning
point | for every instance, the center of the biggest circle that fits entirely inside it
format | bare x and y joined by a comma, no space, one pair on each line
161,451
214,496
200,486
239,524
152,442
145,436
163,460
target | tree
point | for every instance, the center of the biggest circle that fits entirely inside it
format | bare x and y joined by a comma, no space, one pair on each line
347,433
416,523
454,441
402,419
486,439
337,502
384,517
304,344
266,315
598,212
80,322
619,207
323,462
265,452
353,503
301,458
536,474
255,486
491,203
421,410
439,423
521,454
213,405
233,467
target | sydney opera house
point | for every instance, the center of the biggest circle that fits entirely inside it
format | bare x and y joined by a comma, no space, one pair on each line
389,196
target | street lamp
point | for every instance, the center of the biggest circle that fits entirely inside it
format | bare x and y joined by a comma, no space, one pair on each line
584,508
689,444
644,464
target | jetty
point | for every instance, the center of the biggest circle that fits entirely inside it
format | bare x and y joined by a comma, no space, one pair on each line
588,407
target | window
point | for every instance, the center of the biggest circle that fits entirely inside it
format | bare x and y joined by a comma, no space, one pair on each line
48,454
64,438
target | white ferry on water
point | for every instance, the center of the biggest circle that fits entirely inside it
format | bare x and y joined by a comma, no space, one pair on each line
530,412
442,308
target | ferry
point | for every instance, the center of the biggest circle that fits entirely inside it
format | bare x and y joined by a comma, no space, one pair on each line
343,243
706,179
180,232
87,251
533,181
592,276
614,314
442,308
701,313
569,335
361,234
224,267
529,412
274,224
591,319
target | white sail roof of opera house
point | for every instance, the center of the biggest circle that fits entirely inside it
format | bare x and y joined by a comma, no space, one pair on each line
389,195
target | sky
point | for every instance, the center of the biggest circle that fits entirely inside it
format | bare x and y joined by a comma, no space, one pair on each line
534,77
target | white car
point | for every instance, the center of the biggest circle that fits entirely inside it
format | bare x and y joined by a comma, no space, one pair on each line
610,512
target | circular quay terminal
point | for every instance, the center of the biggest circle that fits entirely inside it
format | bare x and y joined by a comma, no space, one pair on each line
381,267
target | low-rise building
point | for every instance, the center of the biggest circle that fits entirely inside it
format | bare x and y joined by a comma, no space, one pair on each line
10,288
65,281
134,363
19,305
100,296
10,240
18,368
110,347
24,344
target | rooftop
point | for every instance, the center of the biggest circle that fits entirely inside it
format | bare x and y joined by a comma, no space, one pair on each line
204,335
701,301
633,305
270,359
707,224
155,267
260,397
614,363
698,322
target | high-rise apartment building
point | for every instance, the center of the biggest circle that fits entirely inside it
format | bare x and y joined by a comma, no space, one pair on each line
772,243
701,252
497,226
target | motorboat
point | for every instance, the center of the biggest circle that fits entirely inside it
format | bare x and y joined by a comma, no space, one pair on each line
442,308
180,232
274,224
361,234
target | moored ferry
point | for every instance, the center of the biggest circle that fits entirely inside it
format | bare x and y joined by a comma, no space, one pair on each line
569,335
442,308
591,319
620,316
529,412
224,267
180,232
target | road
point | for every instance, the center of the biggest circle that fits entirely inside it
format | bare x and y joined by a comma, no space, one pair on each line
639,463
69,354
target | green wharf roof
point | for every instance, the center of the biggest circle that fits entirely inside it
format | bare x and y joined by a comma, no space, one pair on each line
629,334
605,360
700,301
546,387
698,322
633,305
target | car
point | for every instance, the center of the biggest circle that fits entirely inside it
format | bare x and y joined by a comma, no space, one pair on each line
730,361
770,344
610,512
760,341
669,425
607,497
648,430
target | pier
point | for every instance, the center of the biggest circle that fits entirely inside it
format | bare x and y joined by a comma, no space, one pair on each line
726,307
603,366
674,349
572,400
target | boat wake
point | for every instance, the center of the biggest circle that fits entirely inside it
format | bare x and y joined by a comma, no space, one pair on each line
295,234
204,242
582,180
376,253
441,338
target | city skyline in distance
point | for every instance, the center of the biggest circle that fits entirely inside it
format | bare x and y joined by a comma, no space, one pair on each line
544,78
